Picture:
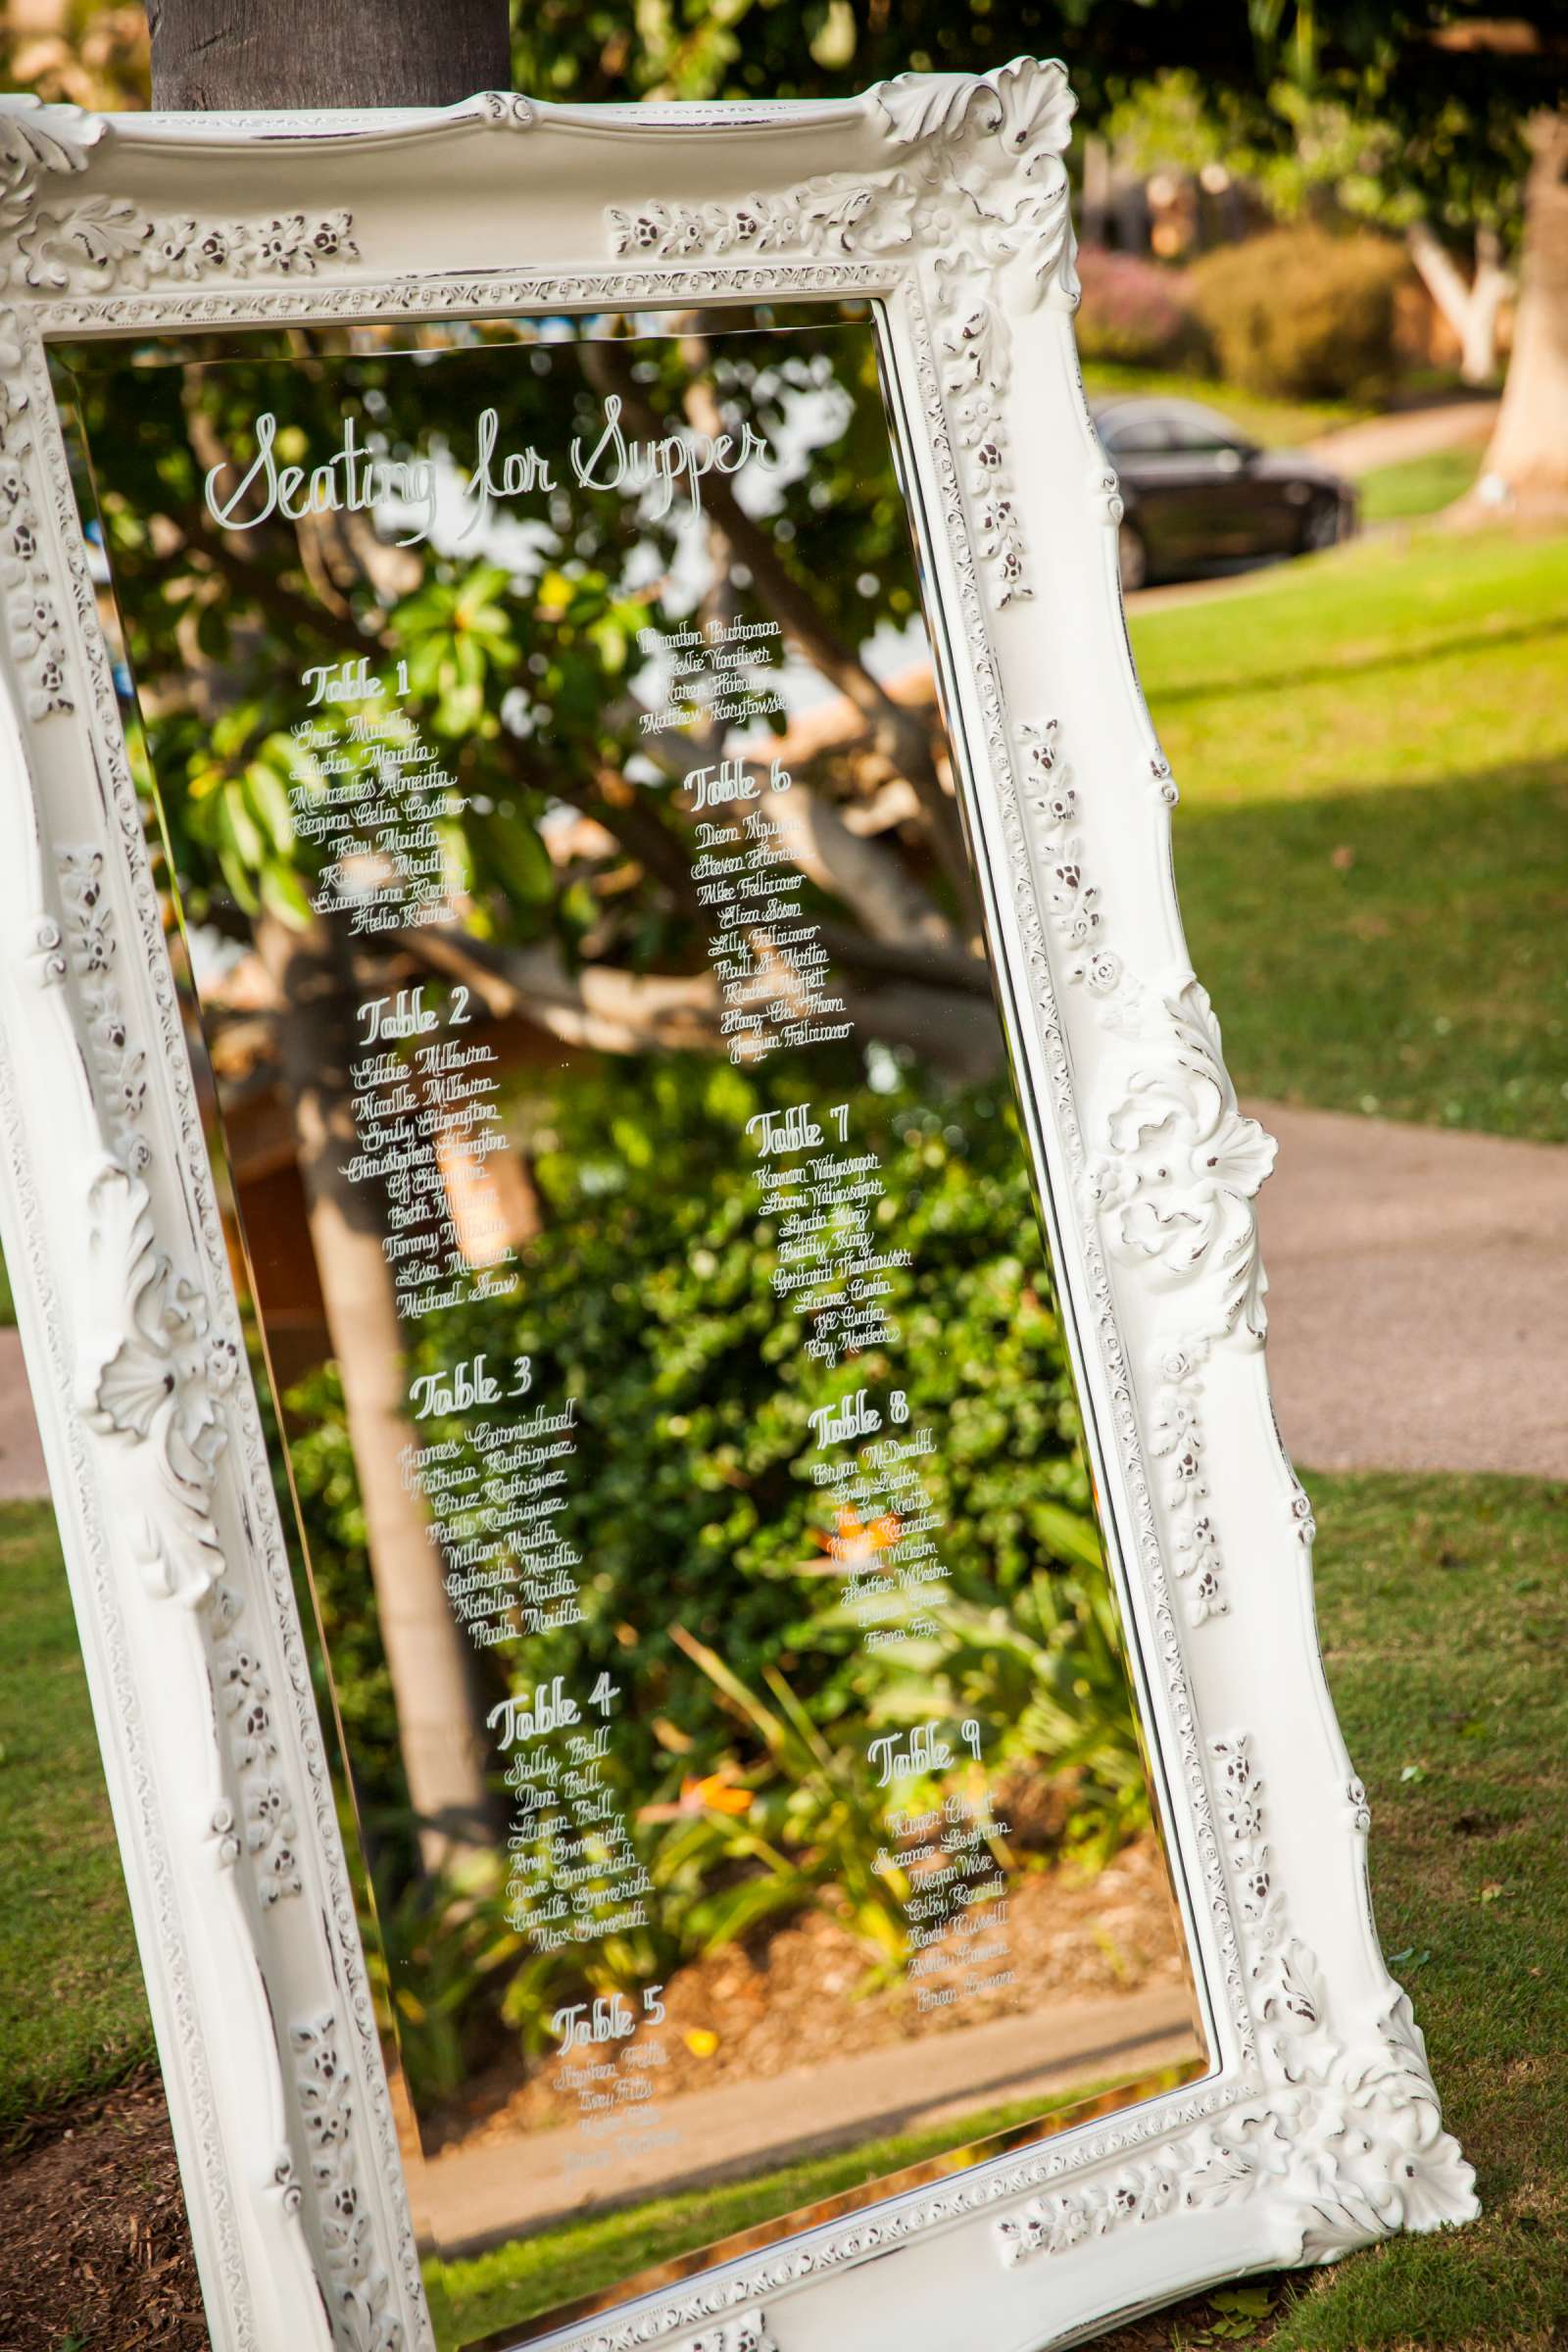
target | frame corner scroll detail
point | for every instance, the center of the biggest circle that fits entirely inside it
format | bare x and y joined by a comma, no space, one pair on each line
102,241
978,179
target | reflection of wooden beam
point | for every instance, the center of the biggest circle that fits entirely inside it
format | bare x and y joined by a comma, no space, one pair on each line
598,1007
492,1204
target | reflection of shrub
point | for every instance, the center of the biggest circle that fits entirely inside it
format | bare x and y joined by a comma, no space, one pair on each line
705,1569
1300,312
1136,312
324,1474
1044,1677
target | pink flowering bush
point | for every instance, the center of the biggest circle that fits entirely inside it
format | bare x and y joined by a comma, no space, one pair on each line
1135,312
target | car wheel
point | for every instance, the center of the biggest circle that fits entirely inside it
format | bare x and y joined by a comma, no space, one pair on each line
1132,557
1321,527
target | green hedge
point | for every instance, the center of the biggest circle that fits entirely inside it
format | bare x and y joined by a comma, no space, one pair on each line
1301,314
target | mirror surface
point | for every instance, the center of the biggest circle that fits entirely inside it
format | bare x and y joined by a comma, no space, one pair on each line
566,863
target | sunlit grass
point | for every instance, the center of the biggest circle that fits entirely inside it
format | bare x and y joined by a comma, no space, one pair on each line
73,2011
1417,486
1372,845
1276,424
1444,1605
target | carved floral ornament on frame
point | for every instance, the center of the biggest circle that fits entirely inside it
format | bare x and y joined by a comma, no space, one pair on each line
1317,2128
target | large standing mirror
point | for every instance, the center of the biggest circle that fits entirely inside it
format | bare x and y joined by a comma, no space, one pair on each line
640,1228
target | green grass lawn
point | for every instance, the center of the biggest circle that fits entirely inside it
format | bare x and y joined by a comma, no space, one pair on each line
1372,846
73,2013
1276,424
1417,485
1444,1609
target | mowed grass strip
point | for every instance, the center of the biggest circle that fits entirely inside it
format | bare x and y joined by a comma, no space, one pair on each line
1444,1609
72,2010
1416,487
1372,845
1275,423
489,2292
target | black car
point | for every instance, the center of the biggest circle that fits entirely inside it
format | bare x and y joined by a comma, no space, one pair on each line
1195,492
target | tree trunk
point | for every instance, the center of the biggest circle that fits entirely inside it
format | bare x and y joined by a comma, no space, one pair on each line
428,1658
1527,463
242,55
219,56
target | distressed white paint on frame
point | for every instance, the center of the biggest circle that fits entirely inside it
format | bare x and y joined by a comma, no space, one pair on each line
943,198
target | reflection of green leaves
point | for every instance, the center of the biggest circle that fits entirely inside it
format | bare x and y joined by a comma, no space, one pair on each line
508,852
648,1293
1043,1676
244,819
521,679
825,1823
648,1297
455,634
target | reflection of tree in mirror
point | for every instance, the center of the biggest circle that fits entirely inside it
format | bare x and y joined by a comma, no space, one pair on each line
649,1295
566,918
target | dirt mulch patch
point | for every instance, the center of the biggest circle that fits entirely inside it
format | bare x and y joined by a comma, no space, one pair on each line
749,2011
95,2251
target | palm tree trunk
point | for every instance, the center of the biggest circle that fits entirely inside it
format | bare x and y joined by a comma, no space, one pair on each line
428,1657
211,56
214,56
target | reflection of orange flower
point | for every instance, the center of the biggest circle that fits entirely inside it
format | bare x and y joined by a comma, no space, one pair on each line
856,1536
715,1794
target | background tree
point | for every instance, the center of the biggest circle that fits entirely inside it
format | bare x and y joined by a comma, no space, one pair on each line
1448,102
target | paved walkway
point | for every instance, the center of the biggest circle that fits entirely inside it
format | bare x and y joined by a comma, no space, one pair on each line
21,1470
1418,1296
1406,433
1418,1303
479,2196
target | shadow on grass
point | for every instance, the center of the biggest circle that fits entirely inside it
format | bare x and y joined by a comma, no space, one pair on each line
1462,641
1442,1605
1395,950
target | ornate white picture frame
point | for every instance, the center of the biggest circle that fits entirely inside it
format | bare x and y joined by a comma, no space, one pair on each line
944,200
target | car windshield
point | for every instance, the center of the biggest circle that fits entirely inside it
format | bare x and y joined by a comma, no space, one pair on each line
1128,433
1192,427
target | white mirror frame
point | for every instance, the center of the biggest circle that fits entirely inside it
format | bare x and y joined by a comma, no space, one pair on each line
943,199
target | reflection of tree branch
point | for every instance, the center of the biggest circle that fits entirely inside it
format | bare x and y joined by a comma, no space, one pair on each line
856,870
598,1005
244,573
937,967
897,731
629,1012
632,821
